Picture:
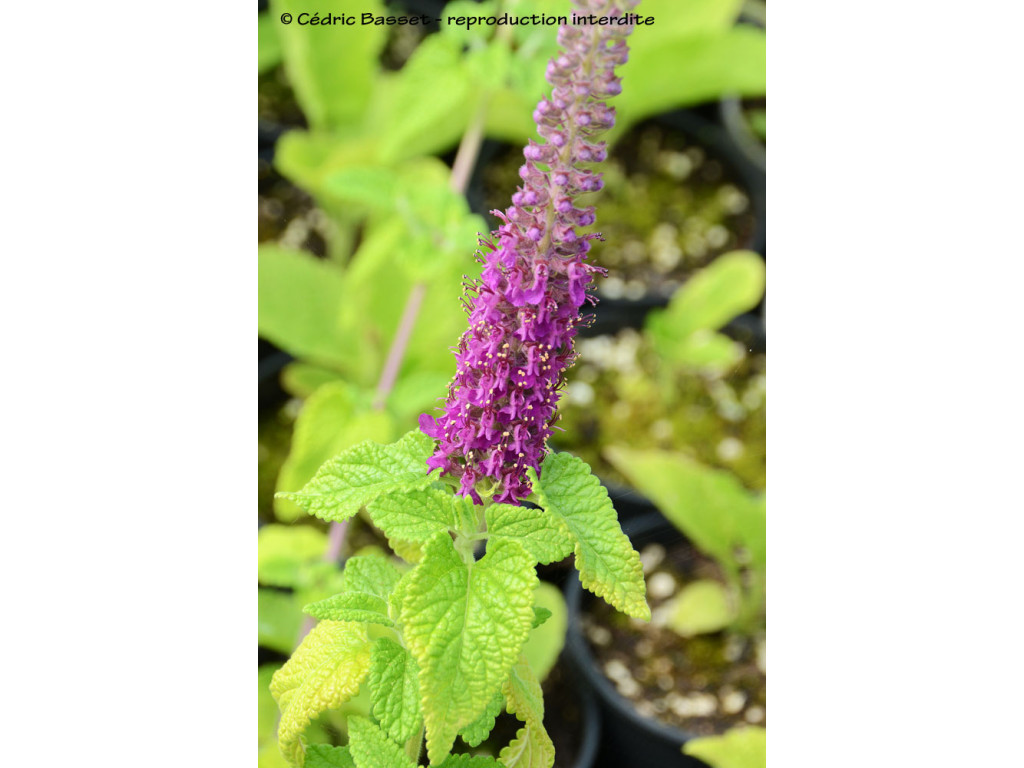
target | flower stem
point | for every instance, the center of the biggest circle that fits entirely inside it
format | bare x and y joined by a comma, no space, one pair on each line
465,159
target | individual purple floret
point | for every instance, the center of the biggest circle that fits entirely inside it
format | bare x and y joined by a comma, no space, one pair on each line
524,310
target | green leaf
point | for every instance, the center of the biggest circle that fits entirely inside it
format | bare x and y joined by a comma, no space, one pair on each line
474,733
299,300
701,350
540,615
542,534
709,506
738,748
267,707
332,420
701,606
731,285
469,761
301,379
532,747
666,73
367,582
608,565
279,620
466,624
269,42
418,515
325,756
361,474
395,683
324,672
285,549
546,641
371,748
331,67
425,107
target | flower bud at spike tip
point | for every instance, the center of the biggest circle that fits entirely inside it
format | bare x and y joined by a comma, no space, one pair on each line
525,308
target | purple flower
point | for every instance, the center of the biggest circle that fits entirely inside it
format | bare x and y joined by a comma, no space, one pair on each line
525,308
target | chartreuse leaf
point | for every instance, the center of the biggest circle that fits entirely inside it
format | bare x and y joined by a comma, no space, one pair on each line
395,685
284,549
701,606
418,515
738,748
280,617
299,304
474,733
269,43
729,286
360,474
332,419
367,582
267,706
331,70
465,623
542,534
608,565
323,673
468,761
371,748
540,615
546,640
324,756
532,747
710,506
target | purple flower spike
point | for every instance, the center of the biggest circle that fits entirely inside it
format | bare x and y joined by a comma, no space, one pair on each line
525,309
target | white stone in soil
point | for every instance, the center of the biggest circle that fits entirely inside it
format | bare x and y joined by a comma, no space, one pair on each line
599,635
579,393
733,648
628,687
651,557
729,449
661,586
645,708
666,682
644,649
754,715
617,671
732,700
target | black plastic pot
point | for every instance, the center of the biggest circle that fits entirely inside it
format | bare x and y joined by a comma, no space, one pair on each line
628,738
590,740
272,362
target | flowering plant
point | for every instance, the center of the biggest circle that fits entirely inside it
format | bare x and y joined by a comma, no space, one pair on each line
439,642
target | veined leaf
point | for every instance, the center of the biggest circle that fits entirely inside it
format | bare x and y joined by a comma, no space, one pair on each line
395,685
531,748
465,623
371,748
418,515
474,733
738,748
542,534
362,473
367,581
267,706
333,419
323,673
608,565
324,756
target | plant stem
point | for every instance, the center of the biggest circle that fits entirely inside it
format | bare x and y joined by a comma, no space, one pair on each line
465,159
